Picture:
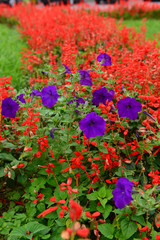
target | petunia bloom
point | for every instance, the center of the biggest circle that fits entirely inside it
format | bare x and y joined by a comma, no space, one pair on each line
85,78
49,96
21,99
52,130
129,107
9,107
35,93
149,115
78,101
105,59
67,70
122,194
92,125
101,95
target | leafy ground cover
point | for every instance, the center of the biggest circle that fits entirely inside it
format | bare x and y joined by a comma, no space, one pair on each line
80,145
10,55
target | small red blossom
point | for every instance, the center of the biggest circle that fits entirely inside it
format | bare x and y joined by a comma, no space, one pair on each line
47,211
82,232
144,229
20,165
75,210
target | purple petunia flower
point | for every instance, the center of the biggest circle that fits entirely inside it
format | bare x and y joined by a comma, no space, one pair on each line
44,72
85,78
9,107
129,107
67,69
21,99
52,130
104,59
35,93
112,108
123,89
149,115
49,96
78,101
101,95
92,125
122,194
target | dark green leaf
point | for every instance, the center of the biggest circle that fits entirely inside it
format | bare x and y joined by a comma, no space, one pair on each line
128,228
107,230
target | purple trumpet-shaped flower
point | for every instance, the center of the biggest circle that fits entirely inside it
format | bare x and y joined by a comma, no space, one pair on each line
49,96
123,89
92,125
21,99
52,130
78,101
67,70
112,108
9,107
101,95
104,59
129,107
35,93
44,72
149,115
85,78
122,194
111,122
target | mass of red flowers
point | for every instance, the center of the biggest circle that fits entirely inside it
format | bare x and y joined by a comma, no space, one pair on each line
64,177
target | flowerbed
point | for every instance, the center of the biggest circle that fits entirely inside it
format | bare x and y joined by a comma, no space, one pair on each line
80,146
133,10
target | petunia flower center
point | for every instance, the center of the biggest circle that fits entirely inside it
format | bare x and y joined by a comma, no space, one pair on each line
91,123
129,106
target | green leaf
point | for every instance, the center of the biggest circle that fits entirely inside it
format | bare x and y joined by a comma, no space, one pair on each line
41,207
139,219
37,228
7,156
103,149
103,202
92,196
107,230
108,209
100,209
18,232
61,222
102,192
109,194
56,233
2,173
46,236
22,179
128,228
31,210
6,144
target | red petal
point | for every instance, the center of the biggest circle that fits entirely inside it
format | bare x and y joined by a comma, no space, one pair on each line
75,190
95,214
61,214
49,210
69,181
83,232
35,201
61,201
53,199
88,214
